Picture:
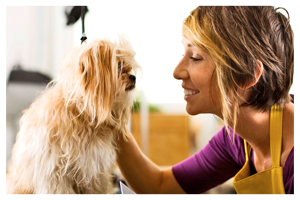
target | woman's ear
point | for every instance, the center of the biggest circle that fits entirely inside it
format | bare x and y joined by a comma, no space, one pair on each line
259,71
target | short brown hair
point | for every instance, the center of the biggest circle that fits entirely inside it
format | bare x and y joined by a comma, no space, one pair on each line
236,37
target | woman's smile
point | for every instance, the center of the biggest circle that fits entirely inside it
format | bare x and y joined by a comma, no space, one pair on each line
188,93
196,70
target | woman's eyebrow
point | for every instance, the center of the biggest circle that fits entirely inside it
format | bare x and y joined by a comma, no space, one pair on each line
187,43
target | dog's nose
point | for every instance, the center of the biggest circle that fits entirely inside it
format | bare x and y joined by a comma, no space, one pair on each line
131,77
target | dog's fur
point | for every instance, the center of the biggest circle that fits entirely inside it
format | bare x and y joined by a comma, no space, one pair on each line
66,142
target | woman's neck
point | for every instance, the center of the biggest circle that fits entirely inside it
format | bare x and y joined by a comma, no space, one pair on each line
254,127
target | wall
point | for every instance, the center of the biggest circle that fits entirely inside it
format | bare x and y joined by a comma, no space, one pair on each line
37,39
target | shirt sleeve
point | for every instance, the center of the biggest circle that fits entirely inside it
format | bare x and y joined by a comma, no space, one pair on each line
218,161
288,173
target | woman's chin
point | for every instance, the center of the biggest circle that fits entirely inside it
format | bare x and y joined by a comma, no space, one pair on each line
192,111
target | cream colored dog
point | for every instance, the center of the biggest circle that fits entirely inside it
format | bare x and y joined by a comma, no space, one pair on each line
66,142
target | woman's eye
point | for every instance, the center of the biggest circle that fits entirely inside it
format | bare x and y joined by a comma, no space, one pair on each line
195,59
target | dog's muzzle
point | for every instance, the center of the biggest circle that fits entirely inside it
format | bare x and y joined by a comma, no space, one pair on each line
132,82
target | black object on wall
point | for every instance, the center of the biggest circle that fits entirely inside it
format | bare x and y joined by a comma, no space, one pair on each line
73,13
20,75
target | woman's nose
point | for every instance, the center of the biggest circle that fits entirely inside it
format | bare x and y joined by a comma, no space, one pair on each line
180,71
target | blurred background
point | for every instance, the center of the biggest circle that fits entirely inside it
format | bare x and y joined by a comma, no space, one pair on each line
38,38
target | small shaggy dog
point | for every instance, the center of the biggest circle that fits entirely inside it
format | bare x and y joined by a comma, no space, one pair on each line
66,142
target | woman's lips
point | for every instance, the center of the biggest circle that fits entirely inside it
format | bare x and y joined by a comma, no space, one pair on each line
189,93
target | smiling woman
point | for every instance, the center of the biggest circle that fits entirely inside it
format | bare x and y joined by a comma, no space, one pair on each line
196,70
250,71
213,30
238,64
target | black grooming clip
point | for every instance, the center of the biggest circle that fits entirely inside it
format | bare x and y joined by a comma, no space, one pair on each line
83,38
73,13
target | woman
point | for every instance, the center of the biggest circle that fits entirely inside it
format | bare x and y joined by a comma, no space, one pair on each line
238,64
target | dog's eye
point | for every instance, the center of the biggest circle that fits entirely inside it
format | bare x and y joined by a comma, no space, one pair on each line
122,68
119,66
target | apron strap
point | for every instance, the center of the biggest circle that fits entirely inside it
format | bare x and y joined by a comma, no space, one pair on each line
247,149
276,134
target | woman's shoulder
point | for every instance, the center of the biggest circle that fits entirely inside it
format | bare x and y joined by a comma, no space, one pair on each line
230,139
229,143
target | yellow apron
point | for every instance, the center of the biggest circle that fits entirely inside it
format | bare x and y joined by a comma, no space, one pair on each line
269,181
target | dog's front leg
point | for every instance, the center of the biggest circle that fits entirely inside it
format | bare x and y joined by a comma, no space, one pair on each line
100,185
61,185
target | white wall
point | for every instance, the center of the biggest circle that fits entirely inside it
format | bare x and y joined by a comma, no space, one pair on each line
37,39
154,30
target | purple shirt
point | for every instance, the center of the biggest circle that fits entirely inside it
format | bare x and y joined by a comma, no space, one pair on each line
219,161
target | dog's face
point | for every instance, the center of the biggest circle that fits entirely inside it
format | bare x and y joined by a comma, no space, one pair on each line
126,75
127,78
99,78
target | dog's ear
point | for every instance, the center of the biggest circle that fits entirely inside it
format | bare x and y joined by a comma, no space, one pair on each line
97,76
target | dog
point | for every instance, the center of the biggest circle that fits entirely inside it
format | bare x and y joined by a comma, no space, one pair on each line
67,138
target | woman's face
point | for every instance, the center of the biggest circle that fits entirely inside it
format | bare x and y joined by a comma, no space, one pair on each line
198,80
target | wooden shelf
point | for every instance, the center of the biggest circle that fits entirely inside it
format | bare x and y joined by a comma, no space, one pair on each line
168,137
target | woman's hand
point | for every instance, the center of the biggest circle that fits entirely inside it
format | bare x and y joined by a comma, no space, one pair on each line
141,174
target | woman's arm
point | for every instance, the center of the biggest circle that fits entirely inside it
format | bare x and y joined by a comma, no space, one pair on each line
141,174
